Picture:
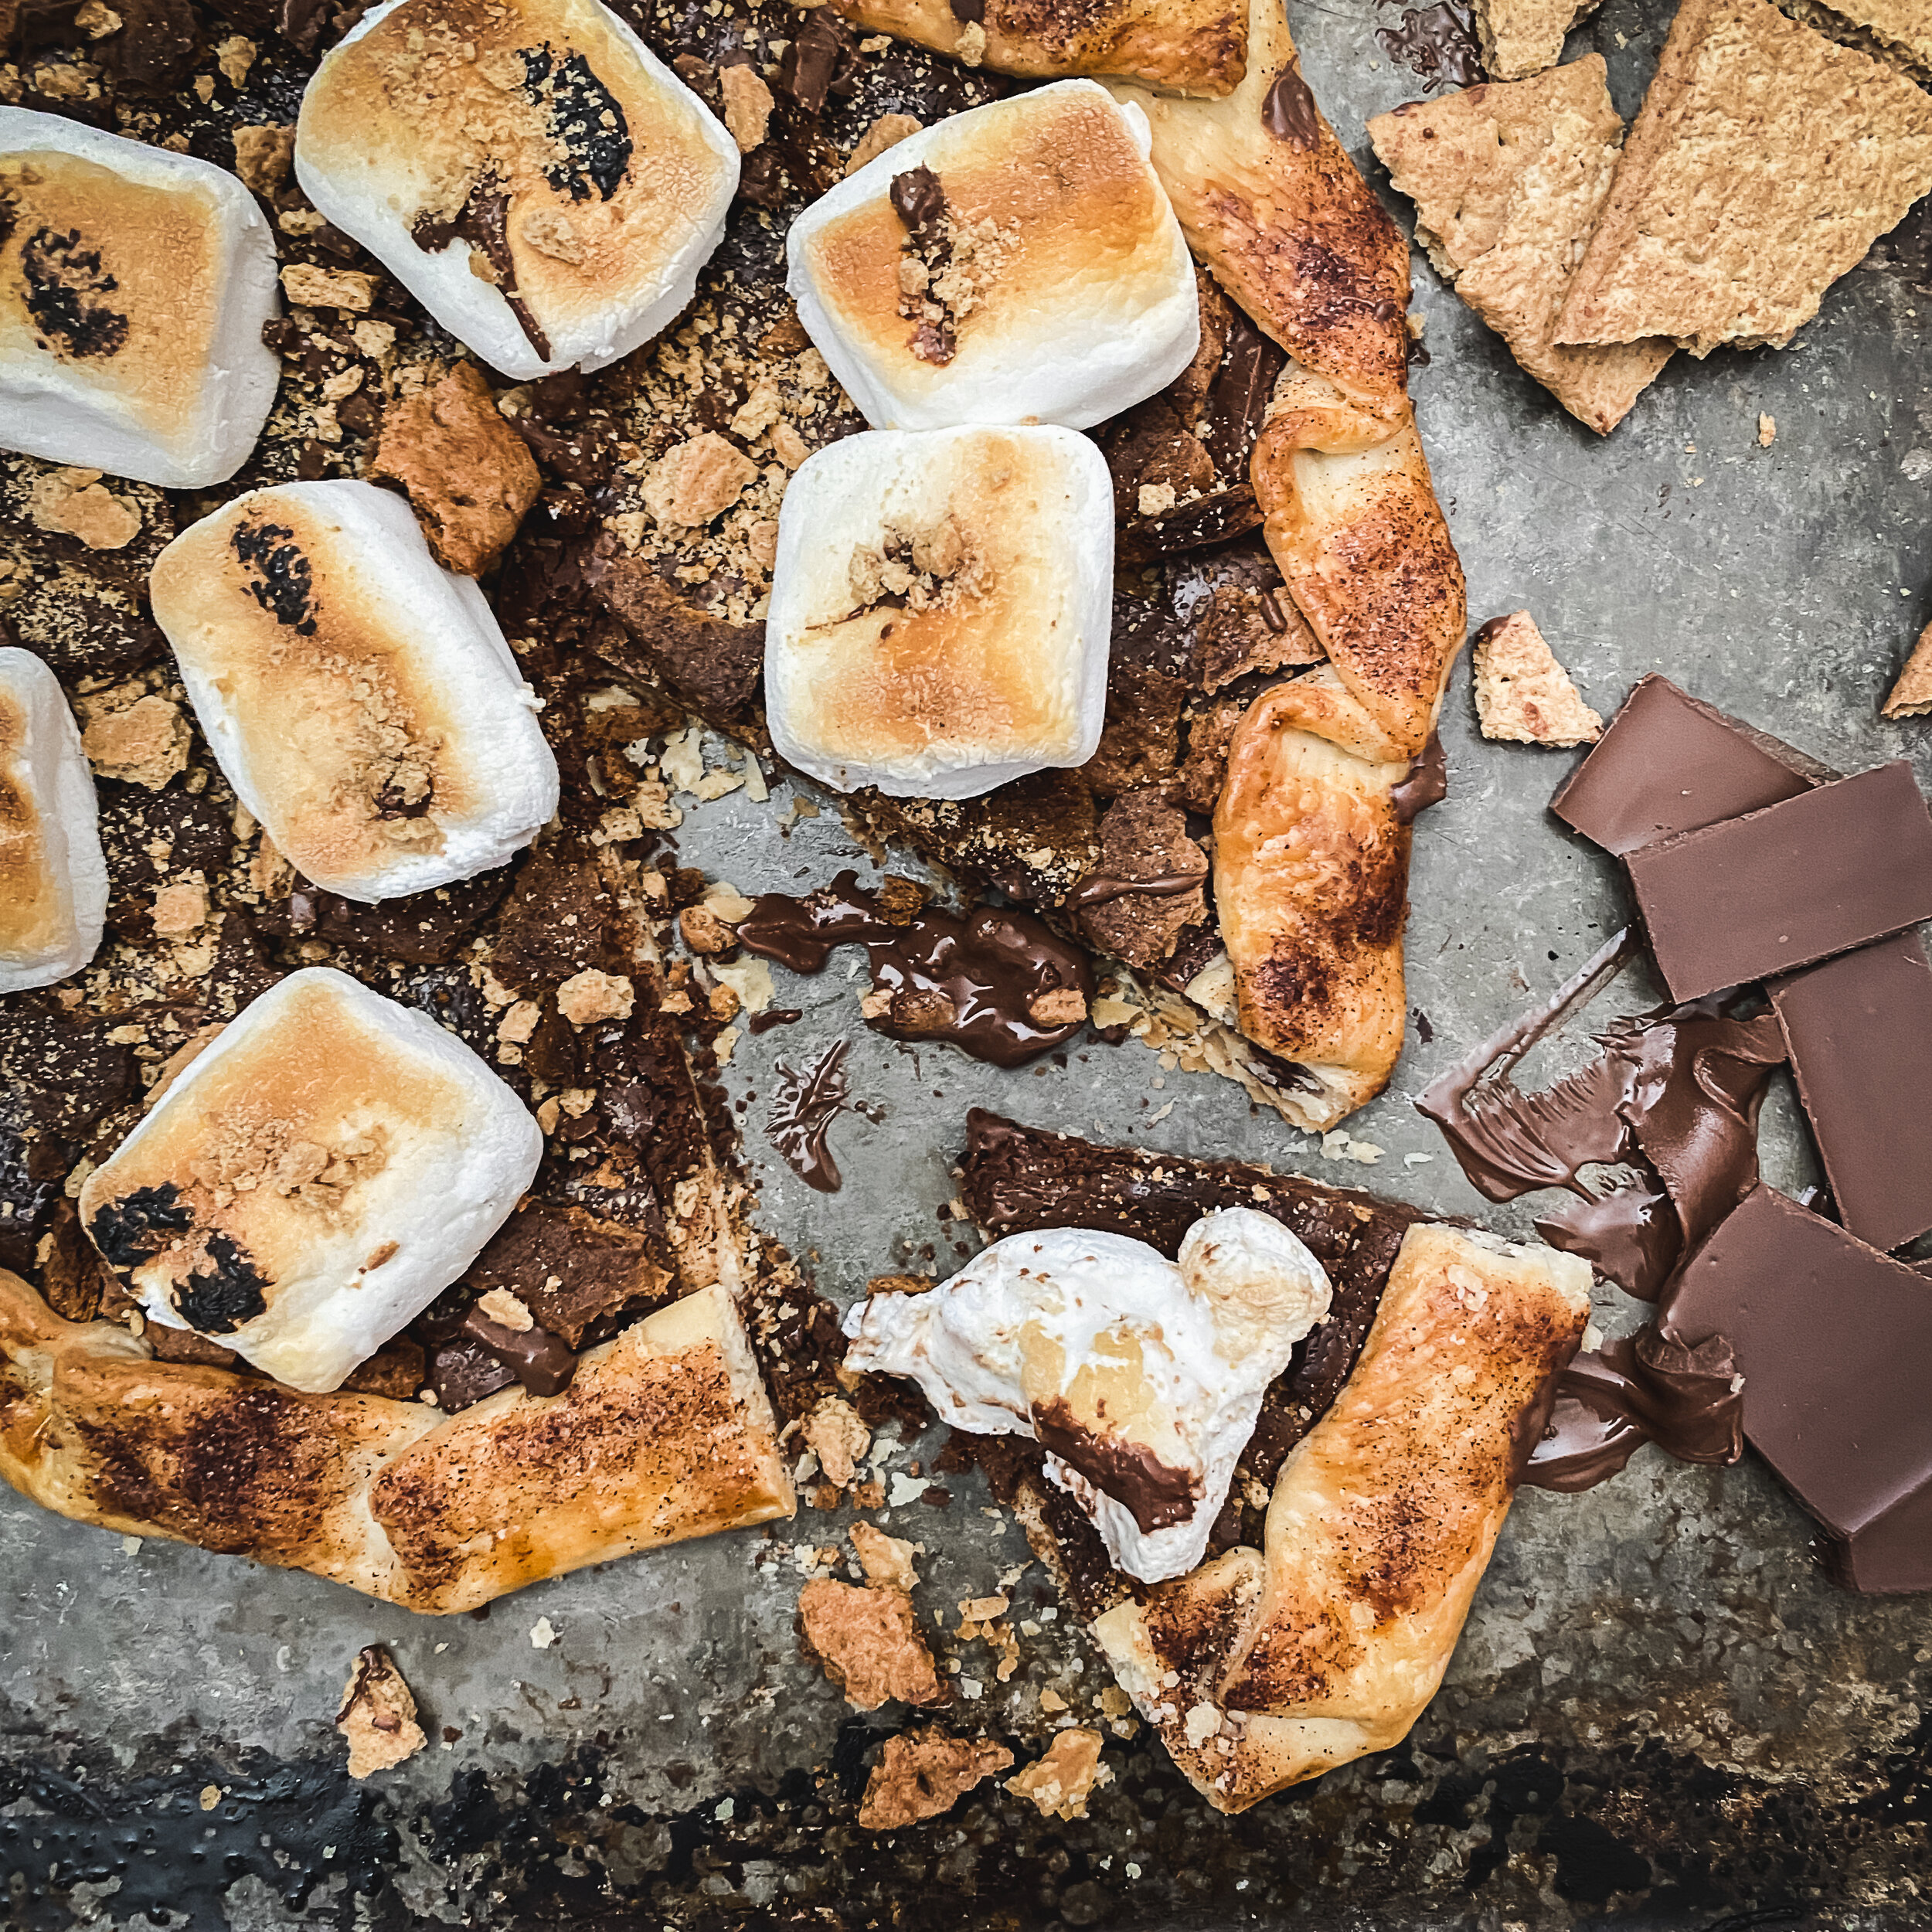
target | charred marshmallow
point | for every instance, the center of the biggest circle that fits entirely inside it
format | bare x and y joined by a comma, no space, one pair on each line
313,1179
359,698
134,285
537,179
54,880
1019,264
941,609
1142,1378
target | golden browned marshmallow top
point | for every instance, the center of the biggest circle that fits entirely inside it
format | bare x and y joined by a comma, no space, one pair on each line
33,907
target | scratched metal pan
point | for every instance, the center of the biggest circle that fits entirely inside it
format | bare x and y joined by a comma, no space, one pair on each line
1660,1713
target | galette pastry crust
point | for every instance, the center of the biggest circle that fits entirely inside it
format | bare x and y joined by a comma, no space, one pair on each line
666,1432
1261,1670
1191,46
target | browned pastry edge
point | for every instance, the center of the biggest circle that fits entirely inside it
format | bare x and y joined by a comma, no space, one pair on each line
666,1432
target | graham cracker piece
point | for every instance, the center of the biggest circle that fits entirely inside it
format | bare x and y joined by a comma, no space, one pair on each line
1764,163
1896,31
1507,180
1912,696
1523,37
1522,693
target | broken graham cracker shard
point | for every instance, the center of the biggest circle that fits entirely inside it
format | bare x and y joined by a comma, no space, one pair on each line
870,1643
1912,696
378,1715
1522,693
361,702
1834,868
1764,163
1507,180
1896,31
1523,37
922,1773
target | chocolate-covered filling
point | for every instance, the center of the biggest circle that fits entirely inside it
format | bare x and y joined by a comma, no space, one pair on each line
1154,1493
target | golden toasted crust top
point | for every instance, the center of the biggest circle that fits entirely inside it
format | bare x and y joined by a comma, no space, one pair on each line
32,907
114,280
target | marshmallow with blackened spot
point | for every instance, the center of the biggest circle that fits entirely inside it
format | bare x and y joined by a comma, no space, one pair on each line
53,878
313,1179
1142,1378
533,174
941,604
359,698
134,285
1019,263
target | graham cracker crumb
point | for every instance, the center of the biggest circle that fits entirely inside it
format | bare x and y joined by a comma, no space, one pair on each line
1522,693
1912,696
263,156
1062,1781
887,131
378,1715
1766,431
72,502
134,735
328,288
592,995
886,1560
868,1641
747,105
834,1434
924,1772
697,481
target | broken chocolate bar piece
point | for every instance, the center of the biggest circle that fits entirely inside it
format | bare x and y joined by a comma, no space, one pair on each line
1842,865
1832,1338
1859,1030
1669,763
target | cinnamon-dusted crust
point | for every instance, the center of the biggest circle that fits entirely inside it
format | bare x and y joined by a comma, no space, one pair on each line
1271,203
665,1434
1764,163
1311,879
1191,46
1262,1669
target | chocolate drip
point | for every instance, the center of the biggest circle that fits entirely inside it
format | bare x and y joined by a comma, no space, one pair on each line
481,221
543,1362
971,979
777,1016
1426,784
1648,1387
1288,110
1099,887
1437,43
804,1107
1156,1494
1674,1095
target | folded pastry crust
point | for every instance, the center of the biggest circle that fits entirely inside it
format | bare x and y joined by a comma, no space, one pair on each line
666,1432
1193,46
1311,881
1262,1669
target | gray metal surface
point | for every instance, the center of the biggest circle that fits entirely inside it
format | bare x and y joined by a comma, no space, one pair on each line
1660,1713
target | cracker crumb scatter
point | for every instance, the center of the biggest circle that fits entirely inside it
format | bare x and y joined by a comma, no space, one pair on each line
378,1715
73,503
1062,1781
1050,1699
328,288
1912,696
922,1773
697,481
210,1796
1766,431
506,1310
868,1641
180,909
1522,693
834,1434
887,131
886,1560
592,995
747,105
134,735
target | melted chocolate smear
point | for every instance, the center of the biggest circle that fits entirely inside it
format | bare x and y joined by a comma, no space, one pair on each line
480,222
777,1016
1426,784
1288,110
1099,887
1438,42
970,978
802,1110
586,124
281,581
821,60
919,201
62,279
1648,1387
543,1362
1238,401
1157,1495
1675,1096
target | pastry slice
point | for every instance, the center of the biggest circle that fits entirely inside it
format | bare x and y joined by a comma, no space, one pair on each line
1507,181
1763,164
1897,31
1263,1668
1523,37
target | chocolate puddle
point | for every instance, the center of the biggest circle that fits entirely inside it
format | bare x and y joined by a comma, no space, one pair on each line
1674,1095
1648,1387
1437,43
974,979
804,1107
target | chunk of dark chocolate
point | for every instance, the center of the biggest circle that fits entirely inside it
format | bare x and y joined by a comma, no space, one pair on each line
1833,1339
1668,763
1859,1030
1841,865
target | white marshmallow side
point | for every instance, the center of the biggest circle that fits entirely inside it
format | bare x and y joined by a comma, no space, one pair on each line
56,787
457,645
963,1343
844,497
474,312
440,1202
48,409
1086,369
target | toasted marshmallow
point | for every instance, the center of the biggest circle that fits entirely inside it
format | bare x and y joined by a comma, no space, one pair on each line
1019,264
54,880
533,174
359,698
941,609
313,1179
134,285
1142,1378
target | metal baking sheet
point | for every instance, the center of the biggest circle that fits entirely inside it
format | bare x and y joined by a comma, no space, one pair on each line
1659,1714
